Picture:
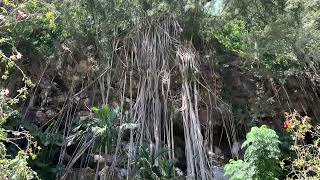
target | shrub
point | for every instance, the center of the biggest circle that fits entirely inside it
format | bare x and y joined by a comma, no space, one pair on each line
261,159
306,165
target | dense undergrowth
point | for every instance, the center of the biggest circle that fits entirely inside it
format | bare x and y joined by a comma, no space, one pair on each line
158,89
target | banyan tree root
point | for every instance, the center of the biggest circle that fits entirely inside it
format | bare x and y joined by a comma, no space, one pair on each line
144,65
198,165
151,56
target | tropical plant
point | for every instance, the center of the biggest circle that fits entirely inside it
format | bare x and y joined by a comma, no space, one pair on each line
104,128
148,169
261,158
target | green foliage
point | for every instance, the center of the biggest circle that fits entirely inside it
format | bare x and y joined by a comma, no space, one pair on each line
257,13
16,168
261,159
29,25
19,21
104,128
306,164
15,165
278,38
233,35
147,168
50,143
275,38
92,22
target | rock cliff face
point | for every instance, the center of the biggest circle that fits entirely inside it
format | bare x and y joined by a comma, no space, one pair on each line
228,98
